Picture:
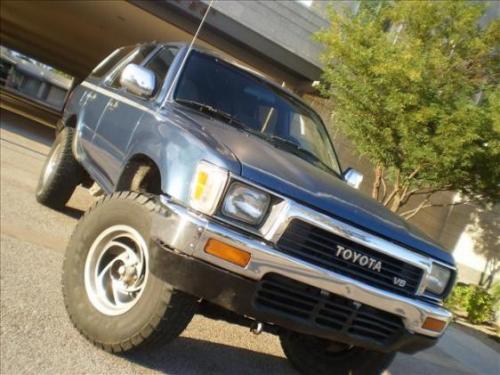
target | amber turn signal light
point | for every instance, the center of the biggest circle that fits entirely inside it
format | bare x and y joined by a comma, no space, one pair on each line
227,252
435,325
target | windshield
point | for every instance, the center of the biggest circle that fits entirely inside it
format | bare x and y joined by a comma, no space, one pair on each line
210,84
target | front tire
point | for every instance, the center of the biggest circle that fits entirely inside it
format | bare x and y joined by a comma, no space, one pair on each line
61,173
110,294
315,356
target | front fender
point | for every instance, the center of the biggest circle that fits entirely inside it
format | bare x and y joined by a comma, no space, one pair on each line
176,145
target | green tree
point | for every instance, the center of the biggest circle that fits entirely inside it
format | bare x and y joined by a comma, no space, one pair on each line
415,87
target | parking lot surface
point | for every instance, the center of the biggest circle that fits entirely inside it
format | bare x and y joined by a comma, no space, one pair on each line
37,337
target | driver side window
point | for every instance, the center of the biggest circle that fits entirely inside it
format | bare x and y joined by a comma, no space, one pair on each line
159,65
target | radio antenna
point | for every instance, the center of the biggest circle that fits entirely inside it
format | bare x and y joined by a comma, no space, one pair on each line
188,51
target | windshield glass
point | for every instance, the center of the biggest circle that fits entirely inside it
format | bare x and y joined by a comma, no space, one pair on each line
256,105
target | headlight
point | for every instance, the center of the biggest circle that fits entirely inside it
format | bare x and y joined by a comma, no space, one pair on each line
207,187
438,279
245,203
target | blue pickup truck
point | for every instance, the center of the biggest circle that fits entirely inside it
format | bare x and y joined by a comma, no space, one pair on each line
223,195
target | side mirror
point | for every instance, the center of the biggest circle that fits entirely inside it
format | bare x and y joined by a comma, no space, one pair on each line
138,80
352,177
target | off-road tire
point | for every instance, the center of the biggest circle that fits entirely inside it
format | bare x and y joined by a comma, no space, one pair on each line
161,312
311,356
61,173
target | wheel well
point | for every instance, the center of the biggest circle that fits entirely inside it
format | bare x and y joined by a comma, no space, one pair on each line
140,174
69,123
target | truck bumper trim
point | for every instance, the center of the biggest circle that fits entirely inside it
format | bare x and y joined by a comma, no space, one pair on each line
237,294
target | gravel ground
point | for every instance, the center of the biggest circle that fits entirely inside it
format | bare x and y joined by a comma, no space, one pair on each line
37,337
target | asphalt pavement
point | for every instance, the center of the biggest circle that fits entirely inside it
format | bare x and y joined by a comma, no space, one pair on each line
37,337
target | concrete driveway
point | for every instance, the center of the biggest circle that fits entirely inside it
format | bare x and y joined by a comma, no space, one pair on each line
36,336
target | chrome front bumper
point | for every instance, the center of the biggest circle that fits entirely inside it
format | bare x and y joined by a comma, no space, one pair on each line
187,232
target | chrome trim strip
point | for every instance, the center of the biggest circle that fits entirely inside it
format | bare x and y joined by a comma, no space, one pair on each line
122,99
188,232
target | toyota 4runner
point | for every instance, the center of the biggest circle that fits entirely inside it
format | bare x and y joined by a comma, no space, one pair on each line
224,196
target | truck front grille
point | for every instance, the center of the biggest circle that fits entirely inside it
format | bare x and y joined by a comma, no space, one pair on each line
325,310
320,247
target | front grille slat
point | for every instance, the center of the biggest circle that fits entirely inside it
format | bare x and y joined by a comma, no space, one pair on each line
395,323
286,301
291,296
335,315
319,247
373,325
330,312
368,333
283,306
299,294
345,309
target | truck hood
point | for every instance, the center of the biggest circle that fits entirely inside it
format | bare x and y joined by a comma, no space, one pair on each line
293,177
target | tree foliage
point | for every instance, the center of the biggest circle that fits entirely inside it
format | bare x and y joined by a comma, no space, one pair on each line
480,306
415,87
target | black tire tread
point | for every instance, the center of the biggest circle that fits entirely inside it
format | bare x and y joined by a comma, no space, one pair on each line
67,175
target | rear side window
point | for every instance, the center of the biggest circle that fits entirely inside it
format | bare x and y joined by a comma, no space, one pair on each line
109,62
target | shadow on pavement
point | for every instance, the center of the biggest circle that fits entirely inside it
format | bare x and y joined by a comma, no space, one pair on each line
75,213
23,147
191,356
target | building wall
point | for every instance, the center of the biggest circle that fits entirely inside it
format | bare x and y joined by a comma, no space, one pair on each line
477,250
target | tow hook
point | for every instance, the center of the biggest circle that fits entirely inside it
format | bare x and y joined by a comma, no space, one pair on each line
256,328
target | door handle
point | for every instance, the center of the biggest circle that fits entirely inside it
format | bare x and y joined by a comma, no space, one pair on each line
88,96
113,104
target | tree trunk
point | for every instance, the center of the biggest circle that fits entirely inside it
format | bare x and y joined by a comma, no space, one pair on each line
376,182
396,202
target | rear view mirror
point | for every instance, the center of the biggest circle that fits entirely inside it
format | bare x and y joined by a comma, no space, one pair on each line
353,178
138,80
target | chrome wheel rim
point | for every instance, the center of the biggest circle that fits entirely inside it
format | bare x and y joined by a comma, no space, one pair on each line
116,270
51,164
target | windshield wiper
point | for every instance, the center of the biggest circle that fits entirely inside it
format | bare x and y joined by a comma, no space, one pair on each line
206,108
292,146
300,151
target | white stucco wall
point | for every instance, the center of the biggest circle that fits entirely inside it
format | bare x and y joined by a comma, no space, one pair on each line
470,264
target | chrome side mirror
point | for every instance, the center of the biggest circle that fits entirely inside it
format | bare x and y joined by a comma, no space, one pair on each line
352,177
138,80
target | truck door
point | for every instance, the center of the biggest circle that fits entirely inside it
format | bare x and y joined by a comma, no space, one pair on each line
93,102
121,115
124,111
